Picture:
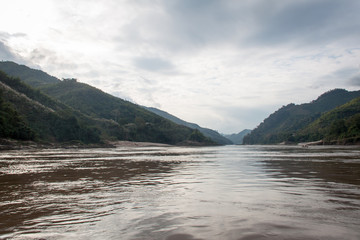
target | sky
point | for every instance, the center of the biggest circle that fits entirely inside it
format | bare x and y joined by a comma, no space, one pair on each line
223,64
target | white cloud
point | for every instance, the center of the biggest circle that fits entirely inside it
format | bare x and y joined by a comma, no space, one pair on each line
222,64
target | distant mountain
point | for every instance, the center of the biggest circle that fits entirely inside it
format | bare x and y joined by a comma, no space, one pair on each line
237,138
285,124
80,110
213,135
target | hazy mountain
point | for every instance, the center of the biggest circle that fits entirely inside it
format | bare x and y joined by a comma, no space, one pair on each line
108,117
237,138
285,124
212,134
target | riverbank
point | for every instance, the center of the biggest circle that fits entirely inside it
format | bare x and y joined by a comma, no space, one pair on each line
10,144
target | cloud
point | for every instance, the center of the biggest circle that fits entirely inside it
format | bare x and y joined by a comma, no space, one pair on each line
153,64
216,63
306,22
355,80
235,116
7,54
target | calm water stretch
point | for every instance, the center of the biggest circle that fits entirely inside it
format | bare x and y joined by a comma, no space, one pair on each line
173,193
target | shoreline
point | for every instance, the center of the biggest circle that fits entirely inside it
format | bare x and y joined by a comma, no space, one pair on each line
10,144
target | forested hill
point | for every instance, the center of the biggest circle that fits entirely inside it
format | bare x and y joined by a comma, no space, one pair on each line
212,134
60,111
289,123
341,125
137,123
28,114
32,77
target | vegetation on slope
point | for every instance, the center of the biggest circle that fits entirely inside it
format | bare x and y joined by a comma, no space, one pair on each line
286,124
11,124
83,113
137,123
32,77
41,117
341,125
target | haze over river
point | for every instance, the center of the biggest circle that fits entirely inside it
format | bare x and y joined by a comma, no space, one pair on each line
173,193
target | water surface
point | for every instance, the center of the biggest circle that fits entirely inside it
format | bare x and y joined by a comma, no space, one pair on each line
173,193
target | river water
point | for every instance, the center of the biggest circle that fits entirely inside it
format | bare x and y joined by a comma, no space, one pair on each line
181,193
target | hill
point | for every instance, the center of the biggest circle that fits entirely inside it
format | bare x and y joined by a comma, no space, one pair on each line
32,77
109,117
285,124
213,135
237,138
28,114
341,125
137,123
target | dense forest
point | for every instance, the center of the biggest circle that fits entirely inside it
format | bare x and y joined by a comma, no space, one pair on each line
11,124
48,109
333,117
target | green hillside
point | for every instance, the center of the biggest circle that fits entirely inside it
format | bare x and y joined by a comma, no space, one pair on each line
11,124
285,124
341,125
38,117
137,123
88,109
32,77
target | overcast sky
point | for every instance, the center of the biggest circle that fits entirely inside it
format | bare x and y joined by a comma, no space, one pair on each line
222,64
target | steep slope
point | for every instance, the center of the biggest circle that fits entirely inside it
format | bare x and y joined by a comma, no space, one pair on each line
213,135
282,125
32,77
11,124
137,123
115,118
341,125
237,138
41,117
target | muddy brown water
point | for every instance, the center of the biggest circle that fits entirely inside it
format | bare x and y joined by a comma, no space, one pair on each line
181,193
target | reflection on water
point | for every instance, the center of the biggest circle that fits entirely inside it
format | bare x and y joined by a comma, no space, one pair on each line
173,193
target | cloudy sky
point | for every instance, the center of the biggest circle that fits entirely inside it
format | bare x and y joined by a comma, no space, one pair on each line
224,64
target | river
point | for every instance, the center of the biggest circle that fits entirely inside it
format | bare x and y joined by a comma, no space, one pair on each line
181,193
